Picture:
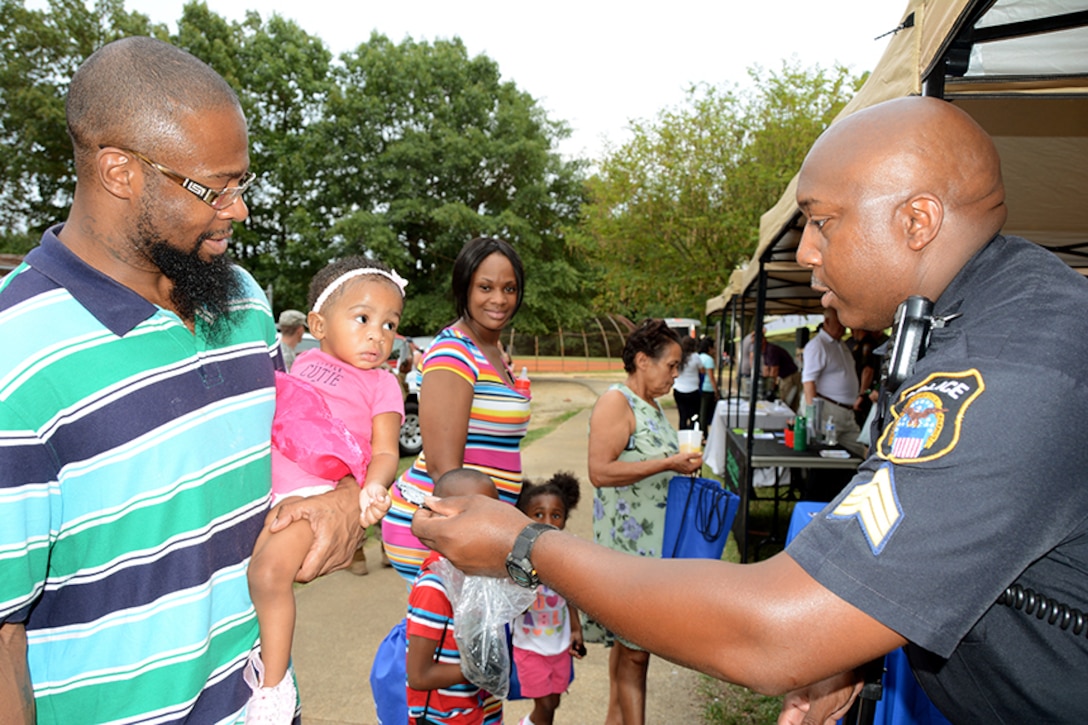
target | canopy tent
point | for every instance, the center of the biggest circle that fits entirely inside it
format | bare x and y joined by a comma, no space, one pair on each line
1020,68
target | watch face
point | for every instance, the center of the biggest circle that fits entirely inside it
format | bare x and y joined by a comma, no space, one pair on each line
521,577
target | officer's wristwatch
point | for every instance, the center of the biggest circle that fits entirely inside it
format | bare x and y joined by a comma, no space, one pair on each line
518,565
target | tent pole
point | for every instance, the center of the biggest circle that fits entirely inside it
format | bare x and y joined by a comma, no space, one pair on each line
753,398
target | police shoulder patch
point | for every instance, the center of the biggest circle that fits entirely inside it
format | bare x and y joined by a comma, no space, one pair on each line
875,505
927,418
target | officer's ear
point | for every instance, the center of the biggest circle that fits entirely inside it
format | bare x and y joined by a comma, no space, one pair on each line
921,218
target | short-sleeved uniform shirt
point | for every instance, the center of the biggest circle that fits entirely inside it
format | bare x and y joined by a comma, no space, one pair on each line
977,483
134,479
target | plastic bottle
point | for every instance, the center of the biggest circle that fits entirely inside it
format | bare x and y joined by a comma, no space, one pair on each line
521,383
831,437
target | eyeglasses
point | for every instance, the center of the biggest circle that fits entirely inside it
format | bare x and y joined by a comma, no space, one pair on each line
217,200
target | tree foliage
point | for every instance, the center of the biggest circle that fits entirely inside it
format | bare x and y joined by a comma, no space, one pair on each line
675,209
40,51
427,147
403,151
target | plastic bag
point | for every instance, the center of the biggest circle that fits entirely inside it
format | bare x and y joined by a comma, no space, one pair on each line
482,607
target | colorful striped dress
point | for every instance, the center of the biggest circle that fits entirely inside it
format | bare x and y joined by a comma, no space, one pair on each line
497,422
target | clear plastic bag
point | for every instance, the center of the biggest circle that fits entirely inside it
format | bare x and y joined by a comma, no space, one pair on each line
482,607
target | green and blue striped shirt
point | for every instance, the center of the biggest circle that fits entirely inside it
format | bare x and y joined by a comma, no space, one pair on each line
134,479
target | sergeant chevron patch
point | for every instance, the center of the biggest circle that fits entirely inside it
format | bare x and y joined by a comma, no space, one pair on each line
876,507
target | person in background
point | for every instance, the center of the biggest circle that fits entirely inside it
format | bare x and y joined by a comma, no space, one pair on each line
291,326
903,198
549,634
778,365
437,690
338,412
745,357
137,407
470,414
686,388
829,374
863,345
633,453
405,366
708,389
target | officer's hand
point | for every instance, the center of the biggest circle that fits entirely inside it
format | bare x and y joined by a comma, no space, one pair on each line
821,703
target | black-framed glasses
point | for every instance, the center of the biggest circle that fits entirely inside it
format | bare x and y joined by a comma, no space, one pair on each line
217,199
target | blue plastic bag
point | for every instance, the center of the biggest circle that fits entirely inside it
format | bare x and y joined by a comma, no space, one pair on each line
699,514
389,676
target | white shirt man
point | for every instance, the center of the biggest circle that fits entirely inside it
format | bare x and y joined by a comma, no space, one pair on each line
829,373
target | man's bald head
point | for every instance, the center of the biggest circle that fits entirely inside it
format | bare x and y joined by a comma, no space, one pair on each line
899,196
134,92
915,144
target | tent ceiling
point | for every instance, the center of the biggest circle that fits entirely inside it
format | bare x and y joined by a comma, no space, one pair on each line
1020,68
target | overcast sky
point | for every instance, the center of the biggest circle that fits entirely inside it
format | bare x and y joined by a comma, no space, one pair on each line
597,65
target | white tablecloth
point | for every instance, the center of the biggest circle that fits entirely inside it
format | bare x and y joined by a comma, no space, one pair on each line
769,416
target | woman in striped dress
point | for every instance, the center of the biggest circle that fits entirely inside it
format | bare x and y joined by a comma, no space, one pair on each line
470,415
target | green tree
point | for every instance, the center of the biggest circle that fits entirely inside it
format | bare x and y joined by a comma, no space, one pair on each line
41,50
676,208
400,151
426,148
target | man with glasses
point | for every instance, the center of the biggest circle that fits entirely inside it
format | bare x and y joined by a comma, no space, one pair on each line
136,401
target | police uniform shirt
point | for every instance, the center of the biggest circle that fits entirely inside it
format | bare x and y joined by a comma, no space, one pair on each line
977,482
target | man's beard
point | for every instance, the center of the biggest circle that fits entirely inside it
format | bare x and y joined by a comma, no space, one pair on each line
198,285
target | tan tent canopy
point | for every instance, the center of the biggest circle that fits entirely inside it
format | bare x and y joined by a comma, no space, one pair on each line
1020,68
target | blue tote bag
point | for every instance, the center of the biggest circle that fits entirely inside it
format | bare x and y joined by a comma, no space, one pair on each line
699,514
389,677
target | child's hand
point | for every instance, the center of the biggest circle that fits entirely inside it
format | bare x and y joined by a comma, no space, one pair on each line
577,645
374,501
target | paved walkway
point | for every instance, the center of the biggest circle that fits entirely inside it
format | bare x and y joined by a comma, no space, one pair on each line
342,617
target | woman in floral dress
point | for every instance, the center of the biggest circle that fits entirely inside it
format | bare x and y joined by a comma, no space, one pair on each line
633,453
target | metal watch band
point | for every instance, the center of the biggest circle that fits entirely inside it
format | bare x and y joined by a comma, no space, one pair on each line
518,563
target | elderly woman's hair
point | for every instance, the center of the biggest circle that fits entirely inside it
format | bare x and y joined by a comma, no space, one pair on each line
468,261
651,338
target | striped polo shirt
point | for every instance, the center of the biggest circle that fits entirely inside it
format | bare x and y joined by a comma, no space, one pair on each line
134,479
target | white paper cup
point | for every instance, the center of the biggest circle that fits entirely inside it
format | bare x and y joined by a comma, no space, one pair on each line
691,441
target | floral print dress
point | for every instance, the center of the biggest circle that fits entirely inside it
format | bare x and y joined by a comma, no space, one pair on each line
632,518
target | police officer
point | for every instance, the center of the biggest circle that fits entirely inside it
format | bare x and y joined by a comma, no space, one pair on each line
974,485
